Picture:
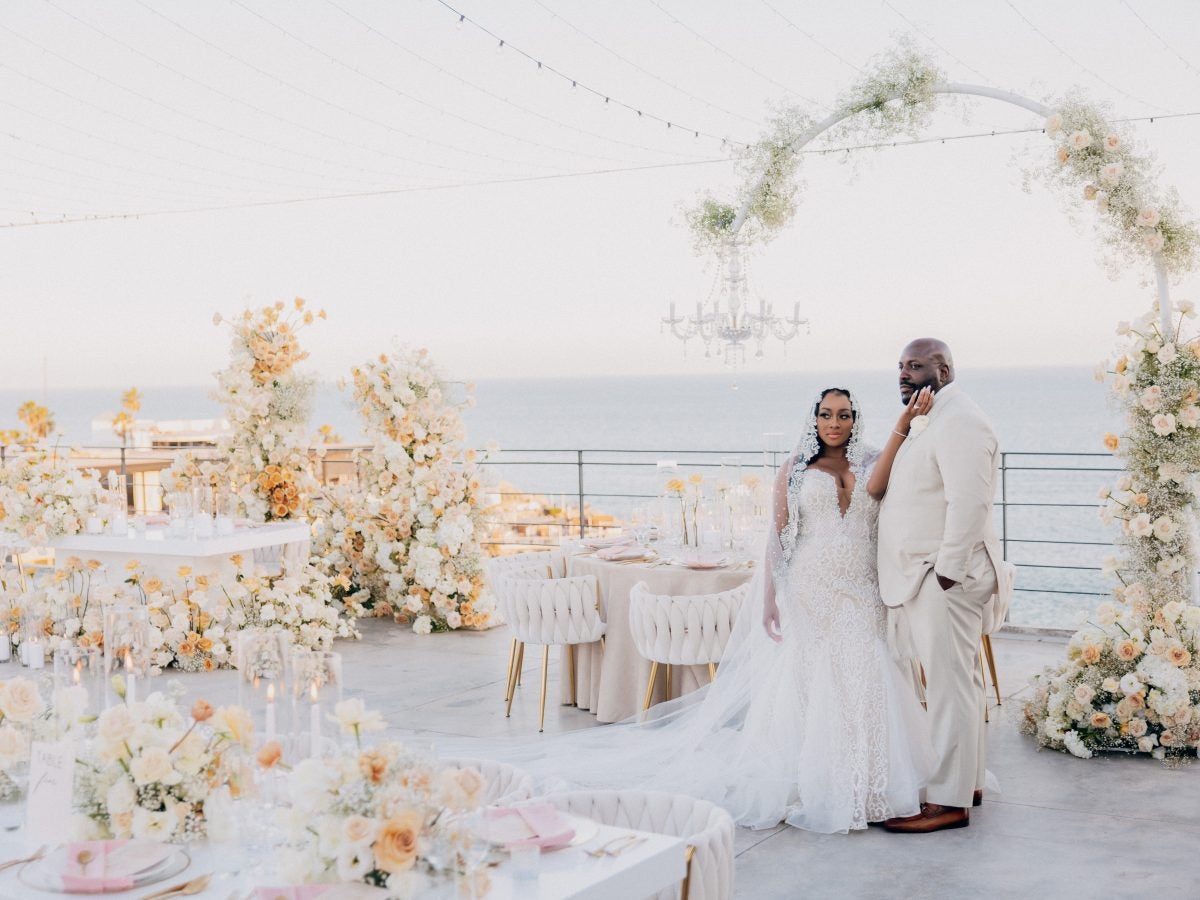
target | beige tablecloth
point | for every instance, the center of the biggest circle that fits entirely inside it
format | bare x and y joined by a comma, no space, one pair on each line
612,681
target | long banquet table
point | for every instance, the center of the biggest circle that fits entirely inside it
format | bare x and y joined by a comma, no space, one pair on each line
658,862
612,682
162,554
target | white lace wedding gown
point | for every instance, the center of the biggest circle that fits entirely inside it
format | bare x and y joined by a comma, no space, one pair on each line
833,736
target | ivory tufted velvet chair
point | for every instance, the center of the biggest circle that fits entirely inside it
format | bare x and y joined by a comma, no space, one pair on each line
547,612
682,630
707,829
504,784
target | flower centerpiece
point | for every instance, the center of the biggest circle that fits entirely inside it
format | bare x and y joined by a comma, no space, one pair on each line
193,618
382,815
1132,676
151,772
43,496
20,704
409,531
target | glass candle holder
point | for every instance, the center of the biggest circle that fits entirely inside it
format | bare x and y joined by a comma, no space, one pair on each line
127,646
261,657
316,691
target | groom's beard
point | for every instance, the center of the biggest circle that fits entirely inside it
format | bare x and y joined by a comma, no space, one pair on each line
908,388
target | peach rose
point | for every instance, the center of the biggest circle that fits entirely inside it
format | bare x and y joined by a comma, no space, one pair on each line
202,711
269,754
1111,441
1179,656
1128,650
20,700
396,846
1100,720
359,830
373,765
1090,654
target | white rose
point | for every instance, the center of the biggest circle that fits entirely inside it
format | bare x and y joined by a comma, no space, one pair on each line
1130,684
121,797
423,625
1147,217
1165,528
1151,398
13,746
1164,424
20,700
1146,744
1111,174
1189,417
151,766
1080,139
1054,124
354,862
1111,142
1153,241
1140,526
155,826
1167,354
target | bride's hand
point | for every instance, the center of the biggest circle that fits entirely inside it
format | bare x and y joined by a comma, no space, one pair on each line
919,404
771,622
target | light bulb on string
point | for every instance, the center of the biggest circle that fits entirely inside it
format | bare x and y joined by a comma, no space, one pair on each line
500,47
461,19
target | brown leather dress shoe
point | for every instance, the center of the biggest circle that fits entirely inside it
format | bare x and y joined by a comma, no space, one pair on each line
977,798
931,818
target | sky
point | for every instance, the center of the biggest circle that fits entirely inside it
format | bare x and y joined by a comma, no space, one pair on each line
159,110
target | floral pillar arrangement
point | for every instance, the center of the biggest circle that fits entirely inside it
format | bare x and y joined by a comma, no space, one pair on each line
409,532
1132,676
267,403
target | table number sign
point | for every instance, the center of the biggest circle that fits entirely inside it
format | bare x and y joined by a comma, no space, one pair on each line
51,781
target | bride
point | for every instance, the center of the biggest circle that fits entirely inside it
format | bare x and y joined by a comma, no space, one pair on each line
810,720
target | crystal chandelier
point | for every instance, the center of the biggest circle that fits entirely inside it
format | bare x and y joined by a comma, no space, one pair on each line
727,319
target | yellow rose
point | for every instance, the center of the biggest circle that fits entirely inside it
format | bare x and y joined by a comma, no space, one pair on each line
396,846
1111,441
1090,654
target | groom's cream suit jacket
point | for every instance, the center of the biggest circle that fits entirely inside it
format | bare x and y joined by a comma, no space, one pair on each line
937,513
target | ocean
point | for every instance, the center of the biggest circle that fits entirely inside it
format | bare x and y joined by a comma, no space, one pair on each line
1036,411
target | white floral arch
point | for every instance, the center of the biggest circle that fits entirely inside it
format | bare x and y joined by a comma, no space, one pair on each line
1160,268
1131,680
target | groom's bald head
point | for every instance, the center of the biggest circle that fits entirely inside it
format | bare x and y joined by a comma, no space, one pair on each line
925,362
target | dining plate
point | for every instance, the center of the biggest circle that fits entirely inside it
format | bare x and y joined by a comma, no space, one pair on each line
45,874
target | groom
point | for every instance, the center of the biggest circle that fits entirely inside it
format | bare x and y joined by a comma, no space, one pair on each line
938,565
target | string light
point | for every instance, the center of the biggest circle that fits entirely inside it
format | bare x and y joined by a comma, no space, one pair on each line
644,70
1161,39
1049,40
608,98
498,97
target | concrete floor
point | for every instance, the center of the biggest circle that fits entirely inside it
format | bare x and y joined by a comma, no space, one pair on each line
1063,827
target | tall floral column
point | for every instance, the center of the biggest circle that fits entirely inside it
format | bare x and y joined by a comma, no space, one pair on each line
268,404
409,532
1132,676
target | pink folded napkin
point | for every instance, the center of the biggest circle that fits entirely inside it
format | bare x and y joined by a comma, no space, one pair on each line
625,551
597,543
86,868
543,824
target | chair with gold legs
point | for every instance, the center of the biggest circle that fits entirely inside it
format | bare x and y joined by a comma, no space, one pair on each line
548,612
503,784
707,830
538,563
995,611
681,630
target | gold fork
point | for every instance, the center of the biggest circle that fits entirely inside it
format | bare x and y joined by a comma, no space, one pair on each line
33,857
616,846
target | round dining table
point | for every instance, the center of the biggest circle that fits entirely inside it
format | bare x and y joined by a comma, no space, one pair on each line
611,681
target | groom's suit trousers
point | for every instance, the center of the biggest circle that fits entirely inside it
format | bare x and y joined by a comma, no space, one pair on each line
946,628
